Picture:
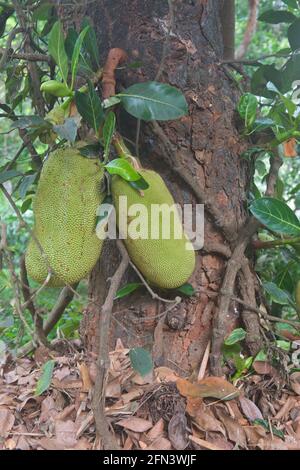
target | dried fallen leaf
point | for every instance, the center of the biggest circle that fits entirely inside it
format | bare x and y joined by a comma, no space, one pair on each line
160,444
7,420
285,409
157,430
234,430
66,433
295,382
264,368
165,374
250,410
272,443
214,387
177,431
254,434
135,424
203,443
84,372
203,415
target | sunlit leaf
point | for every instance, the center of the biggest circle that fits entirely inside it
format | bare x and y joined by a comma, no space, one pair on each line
121,167
56,47
275,215
76,54
235,336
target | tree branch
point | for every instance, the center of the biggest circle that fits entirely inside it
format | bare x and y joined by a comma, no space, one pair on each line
98,402
234,264
250,29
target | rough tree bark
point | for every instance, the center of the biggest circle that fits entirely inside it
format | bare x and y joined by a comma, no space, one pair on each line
198,156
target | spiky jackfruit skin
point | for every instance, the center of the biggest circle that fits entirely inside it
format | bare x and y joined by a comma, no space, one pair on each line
166,263
65,205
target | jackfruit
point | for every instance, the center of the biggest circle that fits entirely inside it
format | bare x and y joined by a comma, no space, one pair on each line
65,207
165,262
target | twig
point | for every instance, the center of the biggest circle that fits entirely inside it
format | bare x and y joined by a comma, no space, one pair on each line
98,402
14,278
5,52
65,297
250,29
250,319
153,294
234,264
38,99
31,57
37,319
204,362
259,244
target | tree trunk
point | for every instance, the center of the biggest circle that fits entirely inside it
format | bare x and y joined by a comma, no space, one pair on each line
198,157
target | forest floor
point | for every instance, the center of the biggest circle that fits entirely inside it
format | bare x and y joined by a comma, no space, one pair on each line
156,412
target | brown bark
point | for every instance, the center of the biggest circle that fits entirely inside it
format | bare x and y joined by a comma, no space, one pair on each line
198,156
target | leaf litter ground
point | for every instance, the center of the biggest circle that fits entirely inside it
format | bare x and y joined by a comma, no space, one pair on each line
156,412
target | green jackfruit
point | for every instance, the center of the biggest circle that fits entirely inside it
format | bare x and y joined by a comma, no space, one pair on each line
166,263
65,206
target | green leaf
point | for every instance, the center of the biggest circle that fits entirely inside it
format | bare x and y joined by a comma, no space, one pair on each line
186,289
8,175
46,377
76,54
277,16
131,287
275,215
265,424
91,150
263,123
91,44
25,184
277,295
26,205
55,88
141,361
285,345
108,131
291,3
231,352
294,34
67,130
247,108
56,49
121,167
112,101
154,101
139,184
29,121
281,327
235,336
90,107
42,12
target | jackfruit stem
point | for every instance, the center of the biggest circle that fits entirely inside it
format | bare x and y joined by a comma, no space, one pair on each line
124,152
